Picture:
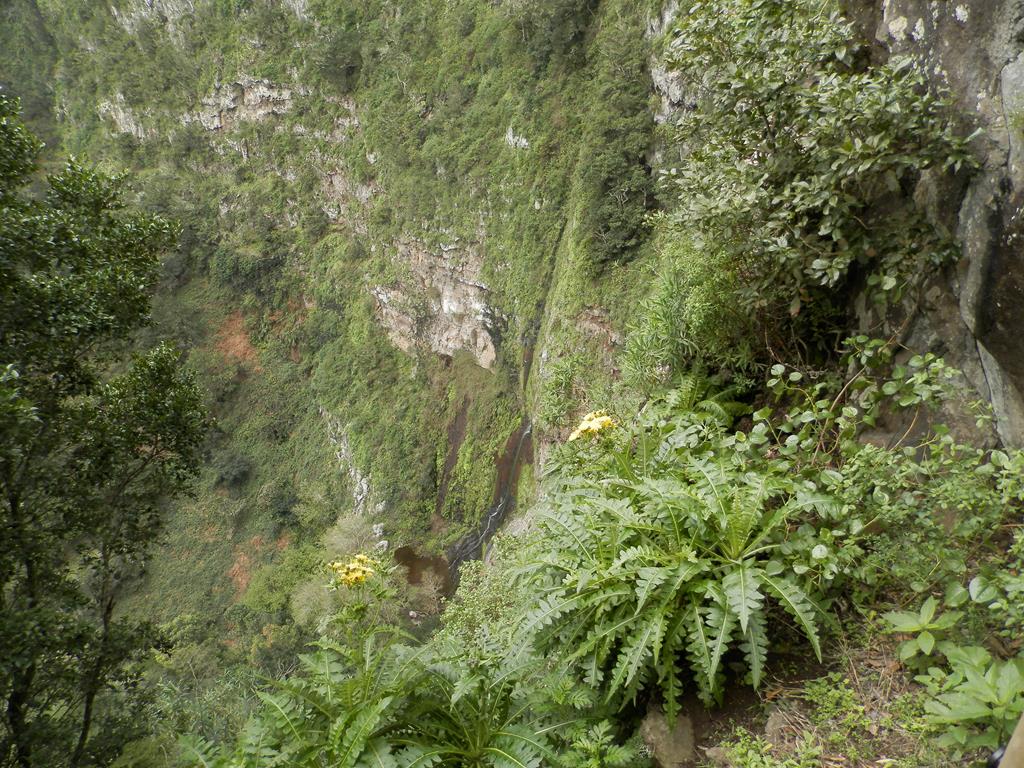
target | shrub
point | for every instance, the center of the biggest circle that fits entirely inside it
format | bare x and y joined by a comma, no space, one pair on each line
800,157
670,543
665,549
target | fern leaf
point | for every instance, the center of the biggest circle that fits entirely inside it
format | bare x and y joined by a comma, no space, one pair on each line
755,649
377,754
667,666
530,741
417,756
648,580
721,622
348,745
741,591
636,651
699,645
283,712
197,751
548,609
798,605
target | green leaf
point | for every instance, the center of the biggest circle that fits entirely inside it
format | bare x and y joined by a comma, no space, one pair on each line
926,641
377,754
908,650
741,591
648,579
902,621
927,613
755,649
356,733
636,650
796,602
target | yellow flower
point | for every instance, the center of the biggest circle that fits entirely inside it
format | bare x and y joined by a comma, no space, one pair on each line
354,572
593,423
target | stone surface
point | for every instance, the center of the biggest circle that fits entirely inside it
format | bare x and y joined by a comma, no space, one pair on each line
671,745
359,482
124,118
441,305
132,14
975,315
245,99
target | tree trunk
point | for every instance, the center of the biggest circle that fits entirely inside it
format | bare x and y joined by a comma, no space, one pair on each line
91,685
17,704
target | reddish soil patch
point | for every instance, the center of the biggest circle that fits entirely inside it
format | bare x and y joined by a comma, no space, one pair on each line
240,571
233,342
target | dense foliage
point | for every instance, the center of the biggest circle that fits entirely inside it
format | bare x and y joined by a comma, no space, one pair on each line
695,532
88,459
794,192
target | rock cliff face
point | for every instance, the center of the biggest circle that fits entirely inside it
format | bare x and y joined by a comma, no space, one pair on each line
975,316
442,306
124,118
246,99
132,14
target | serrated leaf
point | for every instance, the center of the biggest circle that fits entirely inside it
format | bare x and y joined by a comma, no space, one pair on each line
648,580
357,731
377,754
755,649
797,604
742,594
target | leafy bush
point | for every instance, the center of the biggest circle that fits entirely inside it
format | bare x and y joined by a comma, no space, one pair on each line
683,322
666,548
561,389
336,713
800,157
975,699
680,539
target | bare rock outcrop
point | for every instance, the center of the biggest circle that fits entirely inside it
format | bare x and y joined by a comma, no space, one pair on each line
442,305
125,119
975,317
359,481
245,99
132,14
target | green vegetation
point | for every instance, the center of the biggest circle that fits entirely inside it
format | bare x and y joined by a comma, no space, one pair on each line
94,446
757,499
793,194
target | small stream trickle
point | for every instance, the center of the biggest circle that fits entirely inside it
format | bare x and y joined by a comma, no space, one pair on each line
517,451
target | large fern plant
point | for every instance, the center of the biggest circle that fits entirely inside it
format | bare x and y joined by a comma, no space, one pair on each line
666,553
339,711
477,710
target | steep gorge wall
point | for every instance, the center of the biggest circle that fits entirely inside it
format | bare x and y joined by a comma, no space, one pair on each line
975,315
377,198
391,201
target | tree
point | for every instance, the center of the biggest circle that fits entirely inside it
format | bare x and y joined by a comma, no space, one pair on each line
92,446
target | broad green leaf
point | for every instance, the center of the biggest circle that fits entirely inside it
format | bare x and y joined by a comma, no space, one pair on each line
926,641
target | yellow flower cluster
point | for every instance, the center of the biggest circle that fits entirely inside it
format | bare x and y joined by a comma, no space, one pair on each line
593,423
354,572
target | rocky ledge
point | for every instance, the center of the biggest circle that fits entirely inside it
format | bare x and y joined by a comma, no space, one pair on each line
442,305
